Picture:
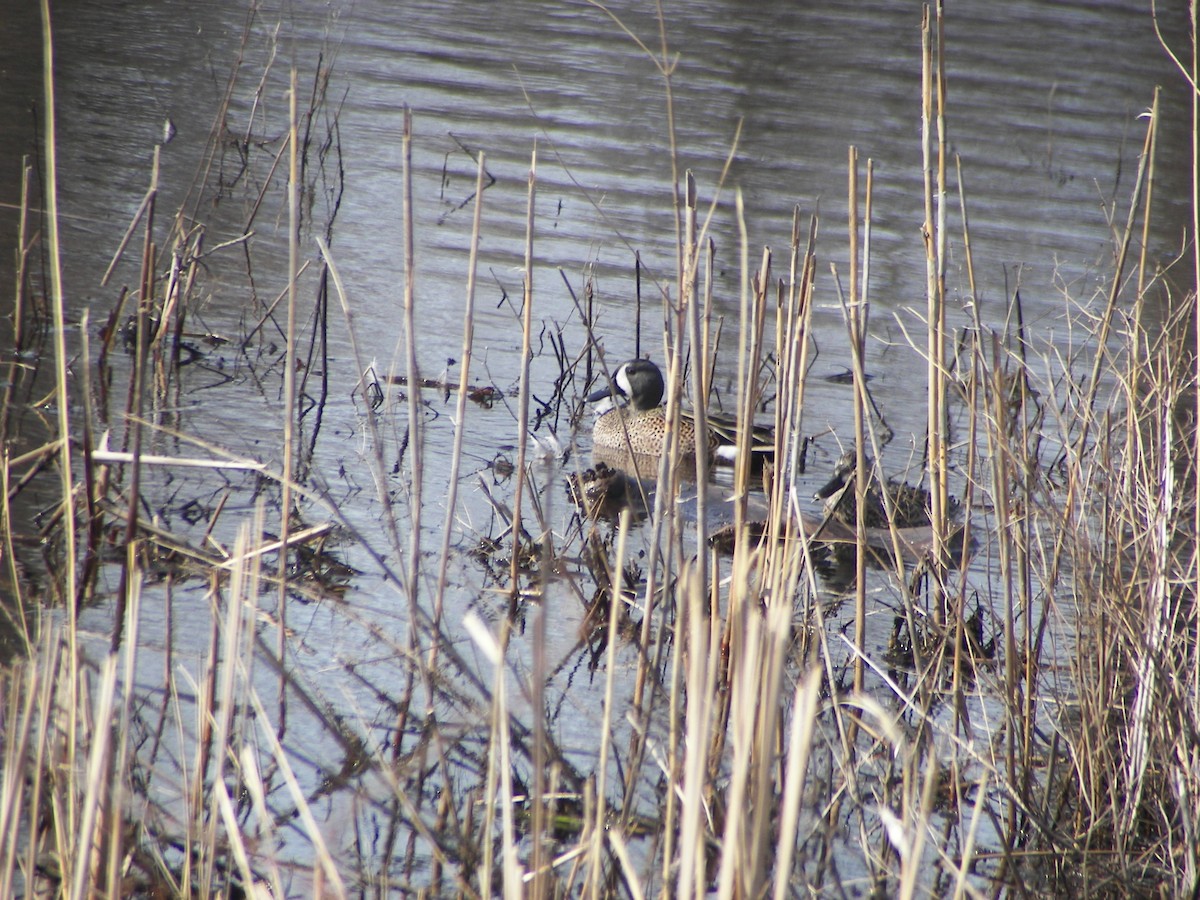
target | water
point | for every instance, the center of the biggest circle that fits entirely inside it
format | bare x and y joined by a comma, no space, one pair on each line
1043,107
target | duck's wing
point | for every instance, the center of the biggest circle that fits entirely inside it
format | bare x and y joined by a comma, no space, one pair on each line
726,430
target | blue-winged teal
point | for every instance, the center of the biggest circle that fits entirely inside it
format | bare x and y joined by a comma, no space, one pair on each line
911,503
638,386
638,414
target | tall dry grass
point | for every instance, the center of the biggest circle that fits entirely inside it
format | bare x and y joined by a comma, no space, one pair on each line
1039,738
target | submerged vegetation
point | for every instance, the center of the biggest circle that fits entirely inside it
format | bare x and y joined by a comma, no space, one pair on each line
731,717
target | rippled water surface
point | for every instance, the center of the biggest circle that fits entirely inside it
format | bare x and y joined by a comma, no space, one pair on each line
1043,107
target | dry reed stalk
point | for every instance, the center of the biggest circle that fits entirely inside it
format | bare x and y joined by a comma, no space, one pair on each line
498,779
418,620
702,662
800,739
856,325
741,592
135,404
232,672
1001,454
144,207
691,305
171,309
237,747
792,352
79,869
735,870
599,827
268,311
971,401
525,387
933,114
1101,336
668,528
658,569
1195,221
22,688
376,442
58,311
290,410
43,753
326,875
67,588
230,681
702,344
20,286
513,873
116,457
416,441
747,363
95,483
536,689
20,281
195,807
668,475
759,666
916,814
12,575
237,846
939,438
460,416
670,815
117,776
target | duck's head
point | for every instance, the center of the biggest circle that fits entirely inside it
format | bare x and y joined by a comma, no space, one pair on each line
843,473
637,382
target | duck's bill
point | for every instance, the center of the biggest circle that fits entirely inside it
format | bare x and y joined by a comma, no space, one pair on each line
600,394
831,487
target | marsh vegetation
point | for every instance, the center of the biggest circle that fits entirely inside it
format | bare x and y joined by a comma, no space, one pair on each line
331,671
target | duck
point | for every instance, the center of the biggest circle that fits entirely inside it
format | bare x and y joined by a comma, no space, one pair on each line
638,416
637,420
911,504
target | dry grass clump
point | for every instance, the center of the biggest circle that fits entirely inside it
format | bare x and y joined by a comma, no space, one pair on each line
1029,723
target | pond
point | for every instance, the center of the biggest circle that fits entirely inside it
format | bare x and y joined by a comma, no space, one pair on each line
374,670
